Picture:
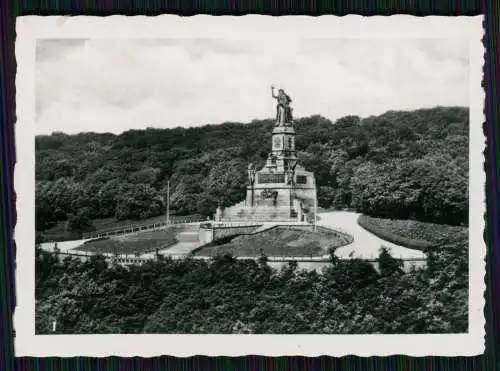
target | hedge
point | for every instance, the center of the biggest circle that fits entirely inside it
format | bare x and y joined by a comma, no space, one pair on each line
366,222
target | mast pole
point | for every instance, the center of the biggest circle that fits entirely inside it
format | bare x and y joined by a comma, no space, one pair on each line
168,203
315,210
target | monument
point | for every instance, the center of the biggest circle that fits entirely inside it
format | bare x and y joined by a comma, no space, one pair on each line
282,190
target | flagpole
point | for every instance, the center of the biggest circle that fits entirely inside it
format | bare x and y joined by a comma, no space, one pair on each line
315,209
168,203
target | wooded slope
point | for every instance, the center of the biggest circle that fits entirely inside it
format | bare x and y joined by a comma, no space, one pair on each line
399,165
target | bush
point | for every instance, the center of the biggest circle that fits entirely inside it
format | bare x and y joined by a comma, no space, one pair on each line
371,225
227,295
432,233
416,163
80,223
278,241
388,265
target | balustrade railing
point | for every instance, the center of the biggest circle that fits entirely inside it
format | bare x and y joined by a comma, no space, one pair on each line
130,259
256,221
134,228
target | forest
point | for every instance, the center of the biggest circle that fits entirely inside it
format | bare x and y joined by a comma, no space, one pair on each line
406,172
416,163
226,295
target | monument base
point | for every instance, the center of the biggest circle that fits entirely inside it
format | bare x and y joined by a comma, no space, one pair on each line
281,190
274,203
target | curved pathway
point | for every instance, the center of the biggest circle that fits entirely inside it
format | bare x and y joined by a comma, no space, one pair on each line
365,245
63,246
180,249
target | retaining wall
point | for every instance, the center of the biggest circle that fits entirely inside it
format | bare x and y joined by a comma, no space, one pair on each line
346,237
221,232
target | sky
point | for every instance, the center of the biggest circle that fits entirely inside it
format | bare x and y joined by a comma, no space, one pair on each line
113,85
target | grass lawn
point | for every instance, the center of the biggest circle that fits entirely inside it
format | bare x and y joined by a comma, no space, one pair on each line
60,233
276,242
412,233
133,244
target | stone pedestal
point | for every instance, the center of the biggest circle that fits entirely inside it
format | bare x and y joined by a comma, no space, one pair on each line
218,214
283,147
281,189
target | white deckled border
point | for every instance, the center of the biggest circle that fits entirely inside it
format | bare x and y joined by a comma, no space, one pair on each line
31,28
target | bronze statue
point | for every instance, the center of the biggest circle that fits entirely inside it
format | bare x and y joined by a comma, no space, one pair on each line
283,109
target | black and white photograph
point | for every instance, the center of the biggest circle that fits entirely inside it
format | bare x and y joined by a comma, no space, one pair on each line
327,182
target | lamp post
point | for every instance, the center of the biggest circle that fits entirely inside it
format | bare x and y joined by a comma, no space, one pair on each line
167,216
315,209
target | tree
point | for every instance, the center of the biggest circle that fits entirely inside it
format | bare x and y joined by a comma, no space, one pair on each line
416,161
137,201
228,295
388,265
80,222
347,122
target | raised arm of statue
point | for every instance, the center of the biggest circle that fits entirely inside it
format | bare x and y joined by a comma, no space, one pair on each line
272,92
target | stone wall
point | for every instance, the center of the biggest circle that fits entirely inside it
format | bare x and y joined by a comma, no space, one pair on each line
206,235
221,232
209,234
308,228
346,238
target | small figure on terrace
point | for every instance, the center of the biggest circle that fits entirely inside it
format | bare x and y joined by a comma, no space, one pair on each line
251,174
218,213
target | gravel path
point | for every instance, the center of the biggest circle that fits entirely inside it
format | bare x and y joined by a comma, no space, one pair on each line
366,245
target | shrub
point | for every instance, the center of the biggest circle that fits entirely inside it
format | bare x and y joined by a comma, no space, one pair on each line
79,223
372,226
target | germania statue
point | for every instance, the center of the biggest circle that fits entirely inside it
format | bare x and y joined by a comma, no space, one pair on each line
283,109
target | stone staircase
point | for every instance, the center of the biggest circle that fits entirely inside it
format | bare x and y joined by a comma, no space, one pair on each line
264,227
188,237
234,210
187,241
240,212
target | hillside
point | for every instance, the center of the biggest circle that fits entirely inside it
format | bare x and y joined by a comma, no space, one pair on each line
226,295
399,165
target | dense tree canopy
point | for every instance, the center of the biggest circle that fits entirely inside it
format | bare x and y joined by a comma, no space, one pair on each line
228,295
399,164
